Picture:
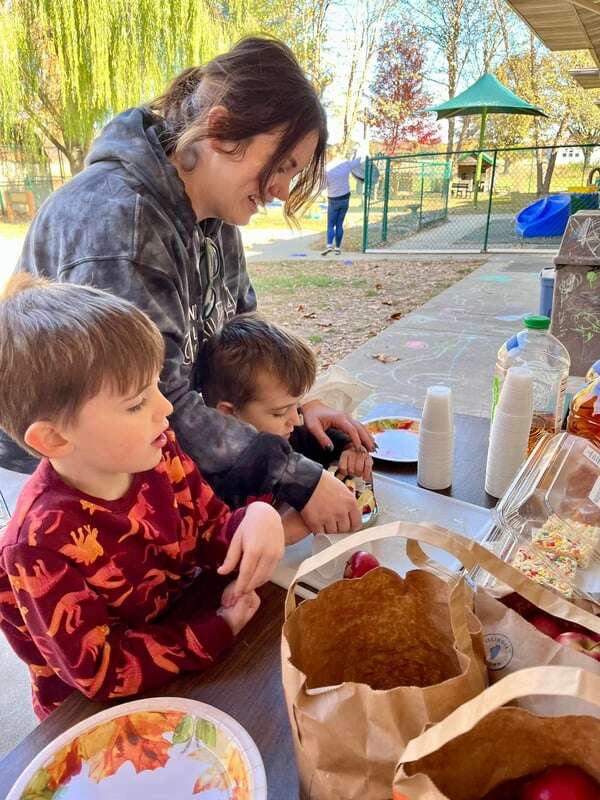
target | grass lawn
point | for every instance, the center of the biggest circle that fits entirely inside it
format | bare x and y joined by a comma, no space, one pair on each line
15,230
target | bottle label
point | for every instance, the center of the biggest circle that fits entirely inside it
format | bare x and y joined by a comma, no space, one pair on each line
560,402
496,386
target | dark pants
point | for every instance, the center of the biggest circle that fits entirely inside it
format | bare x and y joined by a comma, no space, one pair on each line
337,207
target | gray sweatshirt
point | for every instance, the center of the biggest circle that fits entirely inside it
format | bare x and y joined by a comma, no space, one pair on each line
125,224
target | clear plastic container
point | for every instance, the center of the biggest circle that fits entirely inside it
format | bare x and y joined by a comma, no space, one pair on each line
548,359
584,416
547,524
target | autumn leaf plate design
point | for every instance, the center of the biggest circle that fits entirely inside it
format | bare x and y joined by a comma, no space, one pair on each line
152,749
397,438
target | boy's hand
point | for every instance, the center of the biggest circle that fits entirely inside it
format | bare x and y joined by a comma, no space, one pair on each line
318,417
257,546
237,612
353,462
332,507
294,527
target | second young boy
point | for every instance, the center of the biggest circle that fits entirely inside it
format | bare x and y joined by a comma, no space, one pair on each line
259,372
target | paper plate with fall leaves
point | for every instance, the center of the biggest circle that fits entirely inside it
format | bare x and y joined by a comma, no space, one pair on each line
152,749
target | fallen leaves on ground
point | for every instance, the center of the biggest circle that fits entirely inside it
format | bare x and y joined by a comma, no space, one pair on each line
384,358
337,306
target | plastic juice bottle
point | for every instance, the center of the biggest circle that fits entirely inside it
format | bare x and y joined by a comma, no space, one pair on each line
549,360
584,416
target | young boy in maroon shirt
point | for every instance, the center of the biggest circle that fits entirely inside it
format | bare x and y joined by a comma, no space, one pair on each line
116,522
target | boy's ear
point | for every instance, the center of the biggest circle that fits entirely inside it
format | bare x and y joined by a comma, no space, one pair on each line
226,408
46,439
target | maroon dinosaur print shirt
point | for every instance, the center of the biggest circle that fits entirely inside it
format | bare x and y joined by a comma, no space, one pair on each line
83,581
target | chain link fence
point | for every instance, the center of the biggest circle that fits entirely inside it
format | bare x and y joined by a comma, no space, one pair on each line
521,200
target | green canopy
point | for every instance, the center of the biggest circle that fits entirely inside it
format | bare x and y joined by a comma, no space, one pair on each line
485,96
486,159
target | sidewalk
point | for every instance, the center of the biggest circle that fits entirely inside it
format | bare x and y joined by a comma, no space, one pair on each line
454,338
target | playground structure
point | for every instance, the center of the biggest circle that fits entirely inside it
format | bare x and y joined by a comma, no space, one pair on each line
549,215
419,186
422,204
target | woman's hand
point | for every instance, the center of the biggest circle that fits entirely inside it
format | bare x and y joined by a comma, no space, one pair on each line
318,417
332,507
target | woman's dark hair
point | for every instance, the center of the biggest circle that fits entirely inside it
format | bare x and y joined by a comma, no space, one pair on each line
262,86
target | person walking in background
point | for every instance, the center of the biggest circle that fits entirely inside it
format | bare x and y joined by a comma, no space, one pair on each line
337,176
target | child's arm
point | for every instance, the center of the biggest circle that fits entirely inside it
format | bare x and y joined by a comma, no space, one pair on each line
250,538
303,441
256,547
294,528
354,462
74,630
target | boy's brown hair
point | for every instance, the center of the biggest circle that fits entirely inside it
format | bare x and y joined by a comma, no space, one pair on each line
60,344
245,345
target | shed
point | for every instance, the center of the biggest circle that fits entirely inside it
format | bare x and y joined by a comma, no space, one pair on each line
467,166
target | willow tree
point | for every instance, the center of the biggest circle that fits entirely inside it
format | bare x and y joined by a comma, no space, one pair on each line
67,65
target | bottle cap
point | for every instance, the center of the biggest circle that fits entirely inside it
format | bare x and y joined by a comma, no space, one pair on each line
537,322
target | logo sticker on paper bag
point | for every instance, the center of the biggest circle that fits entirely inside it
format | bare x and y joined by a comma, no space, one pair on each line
498,650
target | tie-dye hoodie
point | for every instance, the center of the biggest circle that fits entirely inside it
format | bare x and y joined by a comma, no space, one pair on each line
125,224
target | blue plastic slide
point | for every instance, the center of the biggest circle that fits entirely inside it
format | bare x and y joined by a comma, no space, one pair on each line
545,217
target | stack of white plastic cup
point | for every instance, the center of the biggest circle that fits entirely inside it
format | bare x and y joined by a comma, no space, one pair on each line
436,440
509,434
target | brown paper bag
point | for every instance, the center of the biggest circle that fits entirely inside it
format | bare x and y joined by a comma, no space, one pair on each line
511,642
348,654
481,745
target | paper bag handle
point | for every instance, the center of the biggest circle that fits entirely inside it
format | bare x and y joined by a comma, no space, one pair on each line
557,681
534,592
452,543
438,537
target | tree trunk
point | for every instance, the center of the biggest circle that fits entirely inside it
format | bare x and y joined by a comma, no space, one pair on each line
539,173
587,155
75,157
549,171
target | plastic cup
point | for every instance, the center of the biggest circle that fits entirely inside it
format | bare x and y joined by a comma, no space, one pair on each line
516,396
509,433
434,476
437,410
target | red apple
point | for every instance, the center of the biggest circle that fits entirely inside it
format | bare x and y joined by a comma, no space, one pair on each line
580,641
561,783
360,563
546,624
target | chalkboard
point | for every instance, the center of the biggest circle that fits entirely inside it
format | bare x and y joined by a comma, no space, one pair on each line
576,298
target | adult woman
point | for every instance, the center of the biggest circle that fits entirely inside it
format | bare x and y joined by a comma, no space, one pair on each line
152,218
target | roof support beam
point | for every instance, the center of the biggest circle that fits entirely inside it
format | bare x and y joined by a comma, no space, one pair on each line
589,5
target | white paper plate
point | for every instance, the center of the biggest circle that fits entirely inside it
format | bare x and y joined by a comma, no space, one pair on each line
397,438
162,747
